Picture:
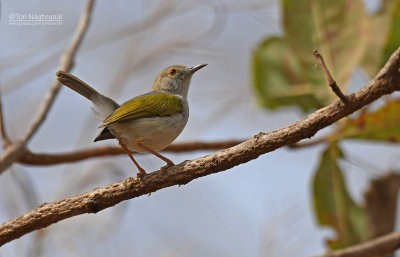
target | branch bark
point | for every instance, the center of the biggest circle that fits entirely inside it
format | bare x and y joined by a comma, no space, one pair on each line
14,151
386,82
381,245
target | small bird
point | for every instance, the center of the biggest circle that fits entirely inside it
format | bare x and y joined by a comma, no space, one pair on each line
148,122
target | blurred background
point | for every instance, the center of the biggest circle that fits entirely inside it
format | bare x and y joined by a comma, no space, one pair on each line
260,208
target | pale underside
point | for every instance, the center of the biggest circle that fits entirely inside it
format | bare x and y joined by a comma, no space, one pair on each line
155,133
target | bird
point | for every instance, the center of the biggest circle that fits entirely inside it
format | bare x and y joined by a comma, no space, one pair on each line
145,123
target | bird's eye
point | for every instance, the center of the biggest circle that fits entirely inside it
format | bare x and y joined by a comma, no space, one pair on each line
172,72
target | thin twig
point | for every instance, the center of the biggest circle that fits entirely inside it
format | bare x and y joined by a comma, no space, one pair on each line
53,159
15,151
309,143
4,136
328,76
376,247
386,82
66,63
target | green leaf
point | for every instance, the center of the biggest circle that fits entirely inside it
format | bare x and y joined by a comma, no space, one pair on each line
338,29
333,205
393,39
278,78
285,72
382,124
385,37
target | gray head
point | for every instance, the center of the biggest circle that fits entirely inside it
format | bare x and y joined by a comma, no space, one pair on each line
175,79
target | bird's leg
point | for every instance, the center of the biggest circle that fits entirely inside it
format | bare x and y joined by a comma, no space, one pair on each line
141,170
168,161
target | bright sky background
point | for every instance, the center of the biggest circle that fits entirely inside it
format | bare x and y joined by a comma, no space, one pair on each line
261,208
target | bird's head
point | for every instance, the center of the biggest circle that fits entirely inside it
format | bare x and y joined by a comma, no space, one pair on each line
175,79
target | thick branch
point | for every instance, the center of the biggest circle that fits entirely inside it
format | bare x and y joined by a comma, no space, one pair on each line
52,159
15,151
386,82
376,247
329,79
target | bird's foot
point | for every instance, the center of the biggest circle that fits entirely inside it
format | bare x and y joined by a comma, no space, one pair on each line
141,173
169,164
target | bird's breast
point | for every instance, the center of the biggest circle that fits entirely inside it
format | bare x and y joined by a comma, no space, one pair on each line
154,132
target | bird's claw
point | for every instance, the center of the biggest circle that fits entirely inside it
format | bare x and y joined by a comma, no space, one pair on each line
163,168
141,173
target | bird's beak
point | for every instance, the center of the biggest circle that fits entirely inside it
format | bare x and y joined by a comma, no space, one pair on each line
196,68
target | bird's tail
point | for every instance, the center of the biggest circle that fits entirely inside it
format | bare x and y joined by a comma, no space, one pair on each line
104,105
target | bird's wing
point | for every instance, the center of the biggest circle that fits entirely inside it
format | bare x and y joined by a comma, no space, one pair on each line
148,105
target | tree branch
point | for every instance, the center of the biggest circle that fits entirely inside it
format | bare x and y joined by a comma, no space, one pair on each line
52,159
17,149
328,76
378,246
386,82
4,136
308,143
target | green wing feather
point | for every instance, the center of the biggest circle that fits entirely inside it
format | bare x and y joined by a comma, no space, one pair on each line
148,105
